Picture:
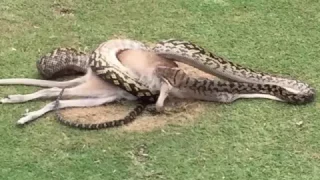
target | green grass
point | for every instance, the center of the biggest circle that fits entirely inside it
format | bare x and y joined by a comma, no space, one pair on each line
249,139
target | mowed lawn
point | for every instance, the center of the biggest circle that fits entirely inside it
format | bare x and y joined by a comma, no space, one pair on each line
249,139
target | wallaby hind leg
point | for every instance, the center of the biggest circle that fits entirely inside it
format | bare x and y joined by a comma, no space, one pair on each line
42,83
78,91
47,83
93,87
90,102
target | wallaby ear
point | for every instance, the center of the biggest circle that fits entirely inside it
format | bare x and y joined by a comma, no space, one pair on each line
166,67
177,68
162,67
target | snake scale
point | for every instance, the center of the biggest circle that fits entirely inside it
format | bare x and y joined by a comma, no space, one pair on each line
288,90
103,61
69,61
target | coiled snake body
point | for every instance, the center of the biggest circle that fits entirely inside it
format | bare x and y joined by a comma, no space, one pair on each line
288,90
103,61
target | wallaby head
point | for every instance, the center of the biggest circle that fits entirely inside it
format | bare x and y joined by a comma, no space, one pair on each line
174,76
143,64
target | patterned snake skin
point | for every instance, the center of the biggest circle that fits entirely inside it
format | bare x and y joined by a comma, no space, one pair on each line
220,91
288,90
105,64
62,61
68,61
107,124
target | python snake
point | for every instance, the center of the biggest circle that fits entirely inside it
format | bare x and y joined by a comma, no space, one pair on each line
105,64
69,61
62,61
182,85
244,80
288,90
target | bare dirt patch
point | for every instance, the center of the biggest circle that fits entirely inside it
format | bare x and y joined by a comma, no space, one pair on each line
177,111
